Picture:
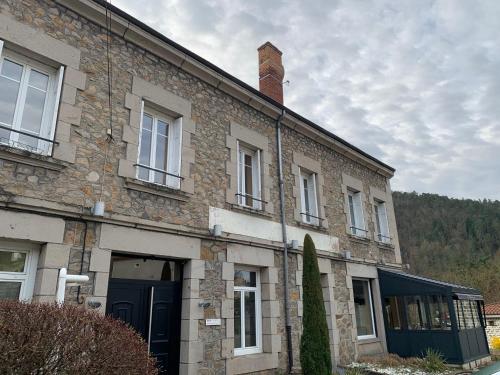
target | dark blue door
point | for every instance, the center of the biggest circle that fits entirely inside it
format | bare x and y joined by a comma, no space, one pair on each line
153,308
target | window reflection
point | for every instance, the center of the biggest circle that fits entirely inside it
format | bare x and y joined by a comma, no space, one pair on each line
415,311
124,267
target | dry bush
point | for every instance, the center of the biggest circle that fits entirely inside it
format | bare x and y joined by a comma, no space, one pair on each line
385,360
48,339
392,360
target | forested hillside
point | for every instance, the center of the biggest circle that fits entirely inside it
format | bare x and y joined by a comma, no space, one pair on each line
455,240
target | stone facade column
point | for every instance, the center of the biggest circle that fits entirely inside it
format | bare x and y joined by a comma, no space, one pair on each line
52,258
191,353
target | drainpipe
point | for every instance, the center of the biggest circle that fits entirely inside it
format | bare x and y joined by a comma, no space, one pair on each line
288,325
61,283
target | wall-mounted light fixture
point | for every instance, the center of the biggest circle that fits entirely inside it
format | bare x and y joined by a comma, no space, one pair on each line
347,254
98,209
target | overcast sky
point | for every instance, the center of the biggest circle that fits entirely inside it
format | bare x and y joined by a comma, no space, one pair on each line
415,83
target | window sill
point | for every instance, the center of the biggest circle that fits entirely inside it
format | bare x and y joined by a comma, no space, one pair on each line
368,340
154,189
247,352
249,210
318,227
385,245
29,158
358,239
244,364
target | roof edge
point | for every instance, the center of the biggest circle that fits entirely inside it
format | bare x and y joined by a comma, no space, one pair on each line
454,288
181,57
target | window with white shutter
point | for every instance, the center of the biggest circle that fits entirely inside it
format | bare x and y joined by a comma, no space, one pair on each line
29,102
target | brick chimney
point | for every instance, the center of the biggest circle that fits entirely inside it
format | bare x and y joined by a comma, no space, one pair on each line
271,72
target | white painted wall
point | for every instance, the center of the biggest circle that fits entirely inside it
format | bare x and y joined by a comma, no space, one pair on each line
251,226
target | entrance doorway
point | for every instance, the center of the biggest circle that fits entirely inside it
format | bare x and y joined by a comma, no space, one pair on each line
146,294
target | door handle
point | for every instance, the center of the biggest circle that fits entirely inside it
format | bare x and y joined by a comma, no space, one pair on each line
150,316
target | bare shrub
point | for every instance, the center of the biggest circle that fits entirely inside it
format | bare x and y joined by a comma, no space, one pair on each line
48,339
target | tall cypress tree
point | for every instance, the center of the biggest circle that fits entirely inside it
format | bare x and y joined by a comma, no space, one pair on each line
314,345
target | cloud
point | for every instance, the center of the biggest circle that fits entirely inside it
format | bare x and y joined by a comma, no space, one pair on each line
415,83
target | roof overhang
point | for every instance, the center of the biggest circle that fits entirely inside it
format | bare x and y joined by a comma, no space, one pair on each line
136,32
457,291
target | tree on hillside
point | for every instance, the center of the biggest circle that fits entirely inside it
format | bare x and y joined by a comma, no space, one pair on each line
314,345
455,240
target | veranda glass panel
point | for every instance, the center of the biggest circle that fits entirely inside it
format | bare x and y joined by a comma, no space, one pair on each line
438,308
393,310
415,310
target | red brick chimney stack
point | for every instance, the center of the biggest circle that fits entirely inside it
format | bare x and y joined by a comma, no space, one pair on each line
271,72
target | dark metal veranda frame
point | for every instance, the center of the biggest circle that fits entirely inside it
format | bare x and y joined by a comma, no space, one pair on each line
459,343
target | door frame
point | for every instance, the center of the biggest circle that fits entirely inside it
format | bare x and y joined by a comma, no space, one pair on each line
150,283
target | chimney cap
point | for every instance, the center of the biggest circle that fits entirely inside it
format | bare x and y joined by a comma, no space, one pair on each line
269,44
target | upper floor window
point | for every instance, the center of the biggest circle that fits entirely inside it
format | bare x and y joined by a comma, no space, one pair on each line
249,177
382,225
29,101
308,198
159,149
247,312
356,214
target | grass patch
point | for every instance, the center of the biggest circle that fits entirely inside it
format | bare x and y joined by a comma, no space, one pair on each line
433,361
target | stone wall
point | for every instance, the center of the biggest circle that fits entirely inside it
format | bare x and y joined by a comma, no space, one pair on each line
492,330
213,111
75,186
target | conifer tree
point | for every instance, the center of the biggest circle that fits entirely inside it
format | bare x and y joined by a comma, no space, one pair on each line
314,346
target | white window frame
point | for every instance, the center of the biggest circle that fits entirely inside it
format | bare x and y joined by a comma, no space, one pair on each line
258,313
26,278
243,150
382,223
51,106
174,152
372,309
357,228
310,217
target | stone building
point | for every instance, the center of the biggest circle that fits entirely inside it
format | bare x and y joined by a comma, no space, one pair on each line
492,315
189,247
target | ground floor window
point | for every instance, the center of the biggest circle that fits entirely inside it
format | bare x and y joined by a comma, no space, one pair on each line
363,303
247,311
415,311
394,312
17,271
440,314
468,314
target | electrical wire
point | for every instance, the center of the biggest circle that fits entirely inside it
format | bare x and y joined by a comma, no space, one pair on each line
109,131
